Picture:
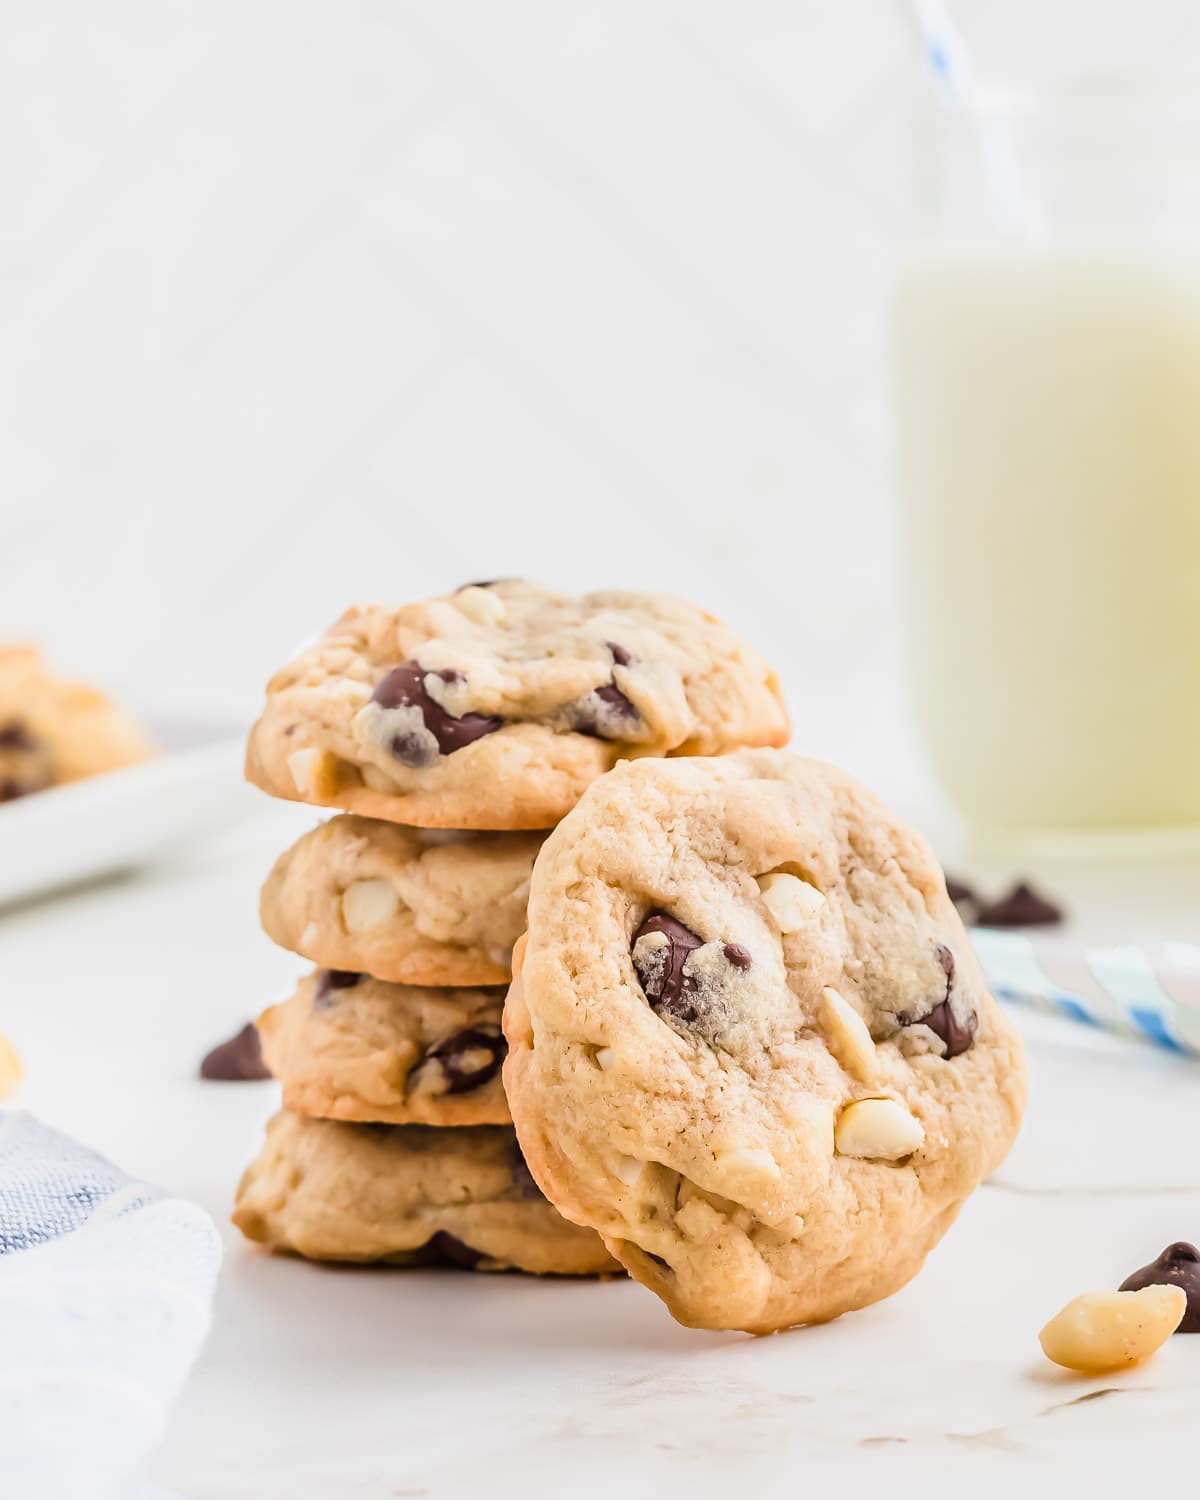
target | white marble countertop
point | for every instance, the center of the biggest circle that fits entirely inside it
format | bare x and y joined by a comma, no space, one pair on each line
360,1385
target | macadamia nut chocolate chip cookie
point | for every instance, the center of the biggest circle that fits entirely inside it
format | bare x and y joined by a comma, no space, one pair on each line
408,1195
350,1047
53,731
749,1042
410,905
496,706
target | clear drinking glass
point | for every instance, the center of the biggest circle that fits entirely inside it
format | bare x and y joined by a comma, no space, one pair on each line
1047,376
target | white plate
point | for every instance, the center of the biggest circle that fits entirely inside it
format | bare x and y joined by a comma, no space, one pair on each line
117,821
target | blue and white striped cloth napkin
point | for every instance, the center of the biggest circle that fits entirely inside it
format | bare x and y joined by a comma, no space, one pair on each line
105,1299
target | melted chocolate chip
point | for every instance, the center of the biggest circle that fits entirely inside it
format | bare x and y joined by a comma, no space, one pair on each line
603,713
11,788
445,1247
738,956
523,1177
14,735
1178,1265
946,959
461,1063
332,980
619,654
941,1020
660,971
956,1035
1022,907
238,1060
404,687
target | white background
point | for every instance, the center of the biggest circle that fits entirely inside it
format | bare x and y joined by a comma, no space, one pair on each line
303,301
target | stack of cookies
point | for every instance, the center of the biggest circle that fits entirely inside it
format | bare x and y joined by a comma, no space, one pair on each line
451,735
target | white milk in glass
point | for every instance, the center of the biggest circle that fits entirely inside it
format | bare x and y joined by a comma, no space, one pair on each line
1048,405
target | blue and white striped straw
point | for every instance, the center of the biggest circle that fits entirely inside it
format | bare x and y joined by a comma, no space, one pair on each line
1128,992
953,73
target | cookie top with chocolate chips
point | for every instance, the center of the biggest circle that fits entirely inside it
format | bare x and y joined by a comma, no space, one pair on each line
748,1039
53,731
496,706
349,1047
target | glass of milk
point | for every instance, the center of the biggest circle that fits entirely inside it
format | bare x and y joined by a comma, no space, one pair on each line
1047,377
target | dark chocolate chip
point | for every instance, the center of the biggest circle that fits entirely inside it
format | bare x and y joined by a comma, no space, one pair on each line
941,1020
404,687
1022,907
1178,1265
11,788
523,1177
462,1072
14,735
946,959
603,712
738,956
956,1035
661,974
238,1060
445,1247
960,892
619,654
332,980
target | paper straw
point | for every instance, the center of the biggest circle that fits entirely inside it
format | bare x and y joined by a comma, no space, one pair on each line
1130,990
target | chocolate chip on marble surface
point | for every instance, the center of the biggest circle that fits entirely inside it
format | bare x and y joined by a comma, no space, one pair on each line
470,1058
404,687
239,1060
1178,1265
1021,907
960,892
330,982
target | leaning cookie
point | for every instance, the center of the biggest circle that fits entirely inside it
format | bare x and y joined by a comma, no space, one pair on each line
407,1195
749,1042
405,904
495,707
349,1047
53,731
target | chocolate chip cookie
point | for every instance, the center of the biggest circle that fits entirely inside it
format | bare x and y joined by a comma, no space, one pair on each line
53,731
410,905
407,1195
749,1042
350,1047
496,706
